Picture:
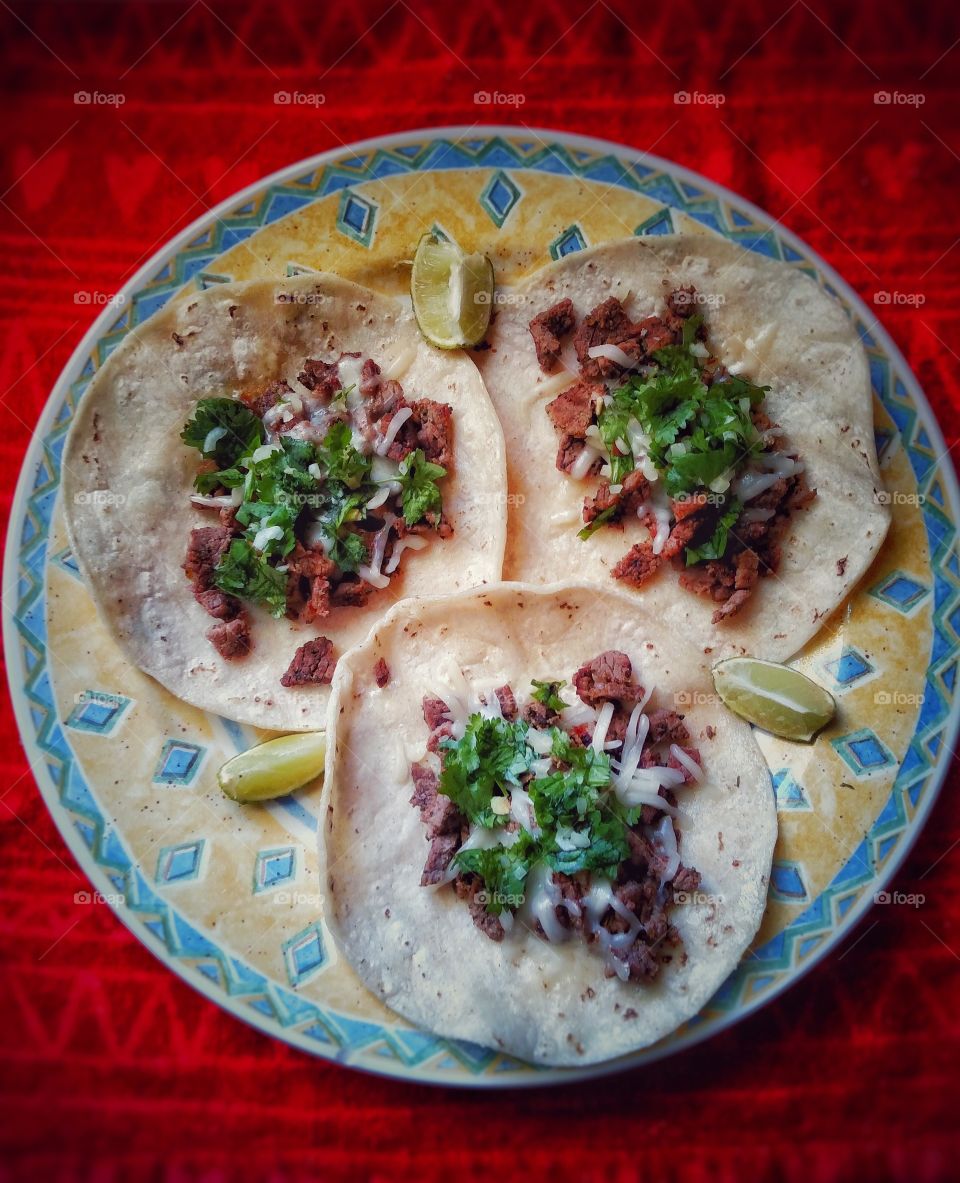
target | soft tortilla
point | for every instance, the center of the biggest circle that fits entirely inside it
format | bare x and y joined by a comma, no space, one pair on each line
789,334
416,947
128,479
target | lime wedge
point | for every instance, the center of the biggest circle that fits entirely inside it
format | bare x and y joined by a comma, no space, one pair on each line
775,697
274,768
452,293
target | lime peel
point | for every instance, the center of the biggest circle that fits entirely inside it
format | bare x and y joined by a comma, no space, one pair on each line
275,768
452,293
775,697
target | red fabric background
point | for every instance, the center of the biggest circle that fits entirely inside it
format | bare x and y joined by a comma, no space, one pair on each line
112,1068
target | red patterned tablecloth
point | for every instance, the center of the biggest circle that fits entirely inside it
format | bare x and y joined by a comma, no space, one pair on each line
112,1067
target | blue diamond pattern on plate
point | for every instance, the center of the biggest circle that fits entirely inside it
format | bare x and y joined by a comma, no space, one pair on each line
849,667
178,864
900,591
786,882
304,954
499,196
179,763
274,867
863,752
567,243
788,792
356,217
98,712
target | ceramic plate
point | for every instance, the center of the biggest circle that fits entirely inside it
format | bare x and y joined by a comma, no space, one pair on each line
227,897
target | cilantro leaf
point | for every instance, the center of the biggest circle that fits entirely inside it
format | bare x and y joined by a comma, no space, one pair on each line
503,869
600,520
418,480
716,546
549,694
341,459
490,757
606,850
243,572
222,429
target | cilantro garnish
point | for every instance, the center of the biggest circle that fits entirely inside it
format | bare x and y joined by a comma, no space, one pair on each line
491,755
418,478
549,694
717,544
579,828
231,428
503,869
243,572
331,482
693,433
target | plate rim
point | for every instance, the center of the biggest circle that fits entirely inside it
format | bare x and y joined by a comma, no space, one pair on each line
34,455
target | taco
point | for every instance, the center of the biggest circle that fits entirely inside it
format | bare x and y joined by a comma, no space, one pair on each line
693,423
540,833
260,471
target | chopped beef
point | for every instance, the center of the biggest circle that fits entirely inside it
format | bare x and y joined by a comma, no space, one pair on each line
369,378
539,715
429,524
686,879
508,704
467,888
217,603
261,402
667,726
634,490
351,592
312,664
381,673
607,678
547,328
435,711
385,403
607,324
309,575
568,453
442,850
231,638
637,565
572,411
694,522
437,812
682,302
572,890
435,424
206,545
320,377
